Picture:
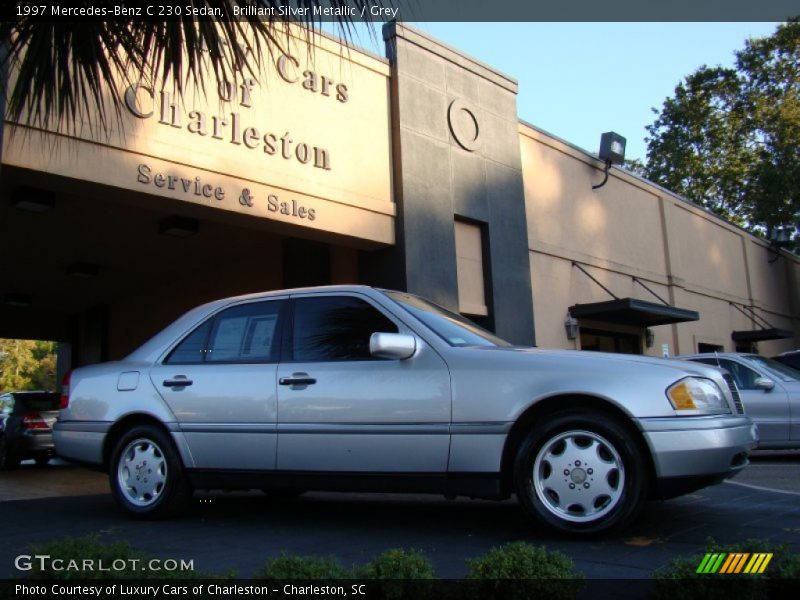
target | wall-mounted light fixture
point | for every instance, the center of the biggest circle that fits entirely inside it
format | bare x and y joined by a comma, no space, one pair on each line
18,300
649,338
83,269
32,199
178,226
779,237
612,152
571,327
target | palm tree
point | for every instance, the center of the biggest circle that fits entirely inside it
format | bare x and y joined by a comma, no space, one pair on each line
61,68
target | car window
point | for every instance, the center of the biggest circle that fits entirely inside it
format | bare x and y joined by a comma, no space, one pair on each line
45,401
335,328
743,376
243,333
455,329
6,403
192,349
778,370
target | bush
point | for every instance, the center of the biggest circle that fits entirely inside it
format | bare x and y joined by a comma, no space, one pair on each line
397,564
520,570
303,567
680,575
88,547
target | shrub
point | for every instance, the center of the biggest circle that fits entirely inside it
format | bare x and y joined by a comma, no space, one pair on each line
303,567
397,564
520,570
680,575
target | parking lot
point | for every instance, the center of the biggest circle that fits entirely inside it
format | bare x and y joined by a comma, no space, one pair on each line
241,531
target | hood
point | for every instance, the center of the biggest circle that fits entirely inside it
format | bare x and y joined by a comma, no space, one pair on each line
680,368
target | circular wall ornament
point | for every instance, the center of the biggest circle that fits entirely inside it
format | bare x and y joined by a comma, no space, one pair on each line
464,125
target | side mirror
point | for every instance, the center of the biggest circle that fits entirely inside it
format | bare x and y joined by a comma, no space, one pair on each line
762,383
397,346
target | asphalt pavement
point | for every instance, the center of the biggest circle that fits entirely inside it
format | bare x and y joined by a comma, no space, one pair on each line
241,531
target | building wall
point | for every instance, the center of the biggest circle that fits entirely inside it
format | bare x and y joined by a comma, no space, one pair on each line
633,228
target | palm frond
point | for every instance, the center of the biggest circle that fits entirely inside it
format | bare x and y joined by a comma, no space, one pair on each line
60,70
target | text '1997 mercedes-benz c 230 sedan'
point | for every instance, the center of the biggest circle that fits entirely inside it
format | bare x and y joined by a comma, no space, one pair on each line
351,388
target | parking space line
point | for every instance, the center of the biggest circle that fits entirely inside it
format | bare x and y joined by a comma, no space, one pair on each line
763,489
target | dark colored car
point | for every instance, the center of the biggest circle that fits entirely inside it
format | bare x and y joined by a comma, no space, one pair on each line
26,427
790,359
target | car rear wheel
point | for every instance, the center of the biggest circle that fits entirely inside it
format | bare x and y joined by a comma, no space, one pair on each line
581,472
146,474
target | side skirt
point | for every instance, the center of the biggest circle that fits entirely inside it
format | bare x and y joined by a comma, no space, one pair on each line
474,485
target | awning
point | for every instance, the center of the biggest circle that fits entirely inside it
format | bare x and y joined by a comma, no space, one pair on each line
632,311
762,335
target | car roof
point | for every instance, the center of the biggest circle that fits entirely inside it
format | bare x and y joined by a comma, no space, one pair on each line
718,355
153,347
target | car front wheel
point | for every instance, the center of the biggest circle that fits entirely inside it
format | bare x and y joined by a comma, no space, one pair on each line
146,474
581,472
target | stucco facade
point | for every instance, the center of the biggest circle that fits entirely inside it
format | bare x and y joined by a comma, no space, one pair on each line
631,235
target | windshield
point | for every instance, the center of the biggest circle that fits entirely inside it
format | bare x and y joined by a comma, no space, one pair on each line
452,327
781,371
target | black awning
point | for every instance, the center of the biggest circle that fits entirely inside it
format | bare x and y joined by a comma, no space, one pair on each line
631,311
762,335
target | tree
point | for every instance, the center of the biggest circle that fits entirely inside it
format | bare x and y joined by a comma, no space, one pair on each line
729,138
62,66
27,365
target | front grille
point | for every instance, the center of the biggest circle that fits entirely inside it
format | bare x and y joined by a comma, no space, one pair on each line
737,401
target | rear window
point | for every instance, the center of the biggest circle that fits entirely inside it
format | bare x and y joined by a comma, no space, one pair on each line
44,401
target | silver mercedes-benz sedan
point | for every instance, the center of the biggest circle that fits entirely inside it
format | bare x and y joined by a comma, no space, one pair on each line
356,389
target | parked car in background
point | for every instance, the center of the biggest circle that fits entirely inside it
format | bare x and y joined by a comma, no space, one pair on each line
351,388
26,422
770,393
790,359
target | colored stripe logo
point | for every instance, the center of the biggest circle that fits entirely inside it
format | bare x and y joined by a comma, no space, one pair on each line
734,562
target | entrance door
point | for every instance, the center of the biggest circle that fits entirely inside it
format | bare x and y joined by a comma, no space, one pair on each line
341,410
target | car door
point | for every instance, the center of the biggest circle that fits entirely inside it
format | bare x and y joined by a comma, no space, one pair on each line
341,410
768,408
219,381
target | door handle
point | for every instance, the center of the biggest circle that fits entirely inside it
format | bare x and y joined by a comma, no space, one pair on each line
297,379
177,381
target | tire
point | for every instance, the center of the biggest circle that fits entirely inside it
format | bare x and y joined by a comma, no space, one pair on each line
8,461
146,475
581,472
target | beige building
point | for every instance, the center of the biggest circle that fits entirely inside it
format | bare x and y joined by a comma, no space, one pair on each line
632,239
331,165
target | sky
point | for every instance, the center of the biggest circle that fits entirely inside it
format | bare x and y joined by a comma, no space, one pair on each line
578,80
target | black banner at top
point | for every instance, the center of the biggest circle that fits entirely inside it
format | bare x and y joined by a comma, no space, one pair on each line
379,11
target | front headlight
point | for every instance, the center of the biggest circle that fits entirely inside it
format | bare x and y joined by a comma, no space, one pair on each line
695,395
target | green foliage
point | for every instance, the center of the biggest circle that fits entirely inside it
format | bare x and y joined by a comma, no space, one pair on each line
398,564
679,577
27,365
728,139
520,570
110,556
303,568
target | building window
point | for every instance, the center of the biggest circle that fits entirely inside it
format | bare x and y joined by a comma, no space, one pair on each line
469,265
703,348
